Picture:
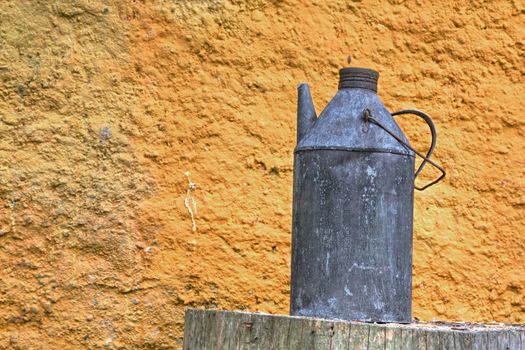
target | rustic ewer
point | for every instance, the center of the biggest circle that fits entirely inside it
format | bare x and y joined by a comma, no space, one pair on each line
353,206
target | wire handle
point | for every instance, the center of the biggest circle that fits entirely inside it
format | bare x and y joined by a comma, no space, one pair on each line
368,118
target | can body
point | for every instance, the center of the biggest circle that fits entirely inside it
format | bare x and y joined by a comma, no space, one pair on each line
352,235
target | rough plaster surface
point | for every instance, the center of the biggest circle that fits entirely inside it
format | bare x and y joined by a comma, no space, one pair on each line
119,120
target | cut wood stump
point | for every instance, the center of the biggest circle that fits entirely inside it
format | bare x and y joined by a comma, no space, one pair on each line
225,330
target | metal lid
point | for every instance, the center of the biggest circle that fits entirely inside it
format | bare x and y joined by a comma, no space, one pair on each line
362,78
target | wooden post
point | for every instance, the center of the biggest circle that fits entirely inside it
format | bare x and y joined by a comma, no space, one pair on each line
226,330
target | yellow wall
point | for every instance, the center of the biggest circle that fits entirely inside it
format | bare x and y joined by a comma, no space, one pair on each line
106,105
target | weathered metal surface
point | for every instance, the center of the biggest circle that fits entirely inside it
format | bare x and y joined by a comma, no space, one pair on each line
211,330
352,209
352,244
306,116
341,124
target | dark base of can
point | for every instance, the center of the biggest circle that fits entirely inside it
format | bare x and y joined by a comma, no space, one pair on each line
352,236
349,317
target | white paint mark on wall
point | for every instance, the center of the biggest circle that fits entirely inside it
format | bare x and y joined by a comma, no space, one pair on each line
190,203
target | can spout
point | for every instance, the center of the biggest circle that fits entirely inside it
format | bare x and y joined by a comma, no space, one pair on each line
306,116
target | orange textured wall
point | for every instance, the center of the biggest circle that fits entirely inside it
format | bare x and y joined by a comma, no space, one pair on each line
118,116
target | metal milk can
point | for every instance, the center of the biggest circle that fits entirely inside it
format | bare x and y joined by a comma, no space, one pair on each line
353,199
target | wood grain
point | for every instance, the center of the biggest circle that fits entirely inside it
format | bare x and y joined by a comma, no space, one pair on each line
225,330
